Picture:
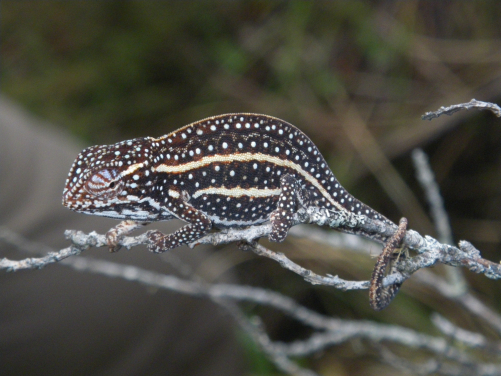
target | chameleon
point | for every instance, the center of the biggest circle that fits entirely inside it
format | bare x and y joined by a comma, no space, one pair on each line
227,171
232,170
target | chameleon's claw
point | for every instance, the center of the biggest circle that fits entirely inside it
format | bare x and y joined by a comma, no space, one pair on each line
112,239
117,233
113,249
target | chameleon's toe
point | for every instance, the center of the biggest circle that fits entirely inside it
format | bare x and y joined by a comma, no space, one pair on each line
277,237
112,239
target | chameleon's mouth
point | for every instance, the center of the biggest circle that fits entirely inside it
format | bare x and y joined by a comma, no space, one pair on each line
73,199
66,199
71,204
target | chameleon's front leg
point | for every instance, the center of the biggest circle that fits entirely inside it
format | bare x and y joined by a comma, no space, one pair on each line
199,225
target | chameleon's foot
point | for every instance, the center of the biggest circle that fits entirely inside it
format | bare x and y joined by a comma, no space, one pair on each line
157,242
281,217
380,297
117,233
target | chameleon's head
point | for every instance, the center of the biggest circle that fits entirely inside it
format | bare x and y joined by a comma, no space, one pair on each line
104,180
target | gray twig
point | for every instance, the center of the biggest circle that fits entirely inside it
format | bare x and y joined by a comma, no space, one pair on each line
470,339
430,251
449,110
426,178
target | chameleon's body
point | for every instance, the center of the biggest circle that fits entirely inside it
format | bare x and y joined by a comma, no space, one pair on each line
225,171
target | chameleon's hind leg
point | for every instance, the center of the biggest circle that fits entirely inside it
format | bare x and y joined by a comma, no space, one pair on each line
281,218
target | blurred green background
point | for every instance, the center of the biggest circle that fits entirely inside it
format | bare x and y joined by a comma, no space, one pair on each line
355,76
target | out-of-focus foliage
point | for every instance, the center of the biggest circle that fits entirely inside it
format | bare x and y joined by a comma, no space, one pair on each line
109,68
355,76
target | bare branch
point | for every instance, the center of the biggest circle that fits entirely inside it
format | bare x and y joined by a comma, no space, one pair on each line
440,367
430,250
449,110
426,178
38,263
255,330
341,330
466,300
33,263
328,331
423,368
470,339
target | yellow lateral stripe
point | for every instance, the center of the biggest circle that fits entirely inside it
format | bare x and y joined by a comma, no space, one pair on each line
247,157
173,193
237,192
131,169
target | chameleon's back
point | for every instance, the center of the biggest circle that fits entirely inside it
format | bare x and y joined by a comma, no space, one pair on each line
229,167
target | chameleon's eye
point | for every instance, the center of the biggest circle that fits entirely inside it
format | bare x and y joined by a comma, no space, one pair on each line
103,183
